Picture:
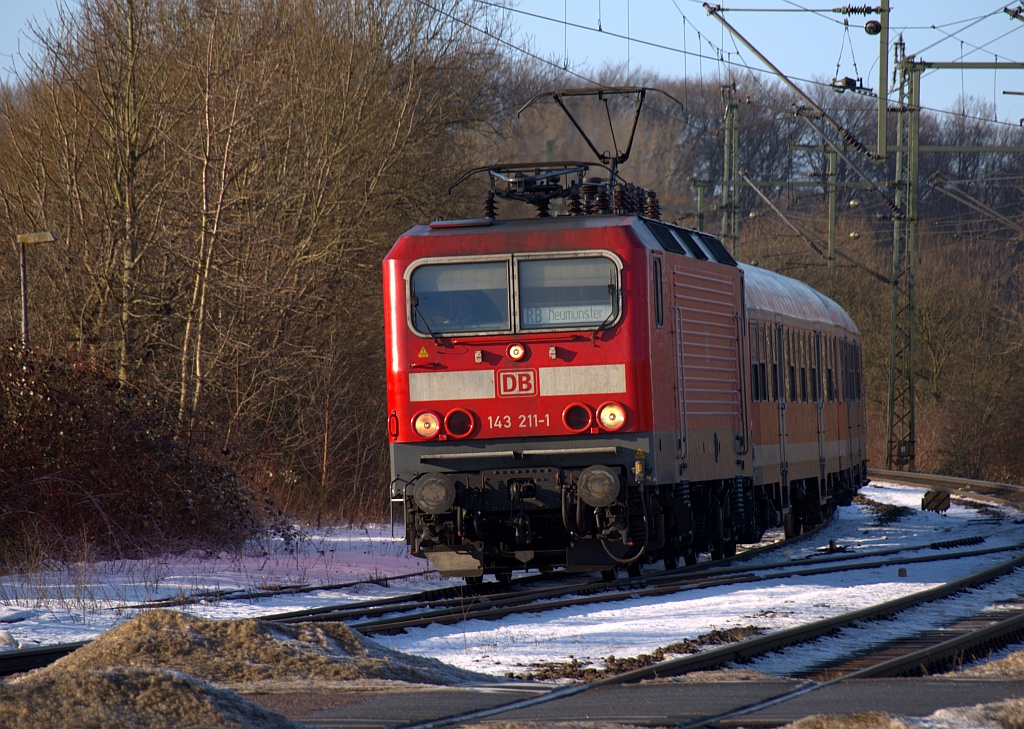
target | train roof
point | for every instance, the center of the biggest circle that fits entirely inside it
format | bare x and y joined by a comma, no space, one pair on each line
673,238
769,293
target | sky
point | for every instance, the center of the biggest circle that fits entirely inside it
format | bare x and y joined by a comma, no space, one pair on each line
680,38
807,41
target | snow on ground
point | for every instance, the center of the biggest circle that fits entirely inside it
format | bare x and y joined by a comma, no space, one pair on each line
639,626
79,603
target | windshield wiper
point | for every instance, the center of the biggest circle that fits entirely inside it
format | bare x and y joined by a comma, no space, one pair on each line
415,302
611,305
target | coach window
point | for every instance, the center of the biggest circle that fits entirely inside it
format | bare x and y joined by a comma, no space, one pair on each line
857,371
791,358
568,293
844,394
815,369
830,354
773,357
455,298
803,366
847,367
756,394
762,362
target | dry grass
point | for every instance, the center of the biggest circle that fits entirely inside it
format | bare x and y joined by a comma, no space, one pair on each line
157,669
548,725
166,669
1007,714
1010,667
863,720
128,698
236,652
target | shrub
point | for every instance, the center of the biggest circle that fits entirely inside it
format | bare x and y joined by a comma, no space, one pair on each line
91,466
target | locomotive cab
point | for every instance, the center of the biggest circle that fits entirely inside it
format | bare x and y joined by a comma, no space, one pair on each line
513,376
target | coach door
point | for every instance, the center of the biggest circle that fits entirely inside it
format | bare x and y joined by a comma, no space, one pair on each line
778,373
819,401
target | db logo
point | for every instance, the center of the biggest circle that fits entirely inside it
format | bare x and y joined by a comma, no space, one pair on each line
513,383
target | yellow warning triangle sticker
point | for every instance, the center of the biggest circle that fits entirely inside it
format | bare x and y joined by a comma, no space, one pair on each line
423,353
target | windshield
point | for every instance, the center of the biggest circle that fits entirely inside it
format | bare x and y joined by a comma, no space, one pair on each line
448,298
552,293
567,292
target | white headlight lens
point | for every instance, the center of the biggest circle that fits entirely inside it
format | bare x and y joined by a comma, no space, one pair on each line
611,416
426,425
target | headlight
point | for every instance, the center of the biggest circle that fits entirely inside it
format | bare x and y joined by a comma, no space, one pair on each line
611,416
598,486
459,423
515,351
434,493
426,424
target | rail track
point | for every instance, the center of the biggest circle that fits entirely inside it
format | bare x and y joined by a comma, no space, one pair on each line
397,616
936,654
971,489
536,594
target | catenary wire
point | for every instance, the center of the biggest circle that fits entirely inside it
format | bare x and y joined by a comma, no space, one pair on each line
721,56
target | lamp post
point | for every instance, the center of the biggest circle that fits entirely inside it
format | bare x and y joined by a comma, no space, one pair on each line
24,239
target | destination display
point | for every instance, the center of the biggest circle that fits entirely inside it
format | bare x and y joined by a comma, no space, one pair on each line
541,316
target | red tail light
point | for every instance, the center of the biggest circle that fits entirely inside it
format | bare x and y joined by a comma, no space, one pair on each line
577,417
459,423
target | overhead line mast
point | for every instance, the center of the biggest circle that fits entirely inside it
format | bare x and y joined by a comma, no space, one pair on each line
900,426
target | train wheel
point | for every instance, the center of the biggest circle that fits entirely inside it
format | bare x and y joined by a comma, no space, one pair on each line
609,575
633,568
671,561
730,548
689,558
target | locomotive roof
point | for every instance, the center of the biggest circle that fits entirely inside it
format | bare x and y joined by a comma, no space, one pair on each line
769,293
673,238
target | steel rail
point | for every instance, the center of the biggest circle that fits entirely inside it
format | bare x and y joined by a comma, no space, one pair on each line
774,641
968,487
502,606
26,659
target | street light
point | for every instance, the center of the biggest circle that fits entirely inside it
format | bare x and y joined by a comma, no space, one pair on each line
24,239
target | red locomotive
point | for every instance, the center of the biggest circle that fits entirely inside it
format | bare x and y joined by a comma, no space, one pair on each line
600,388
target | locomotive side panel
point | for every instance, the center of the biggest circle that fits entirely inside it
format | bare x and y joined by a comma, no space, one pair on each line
705,308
